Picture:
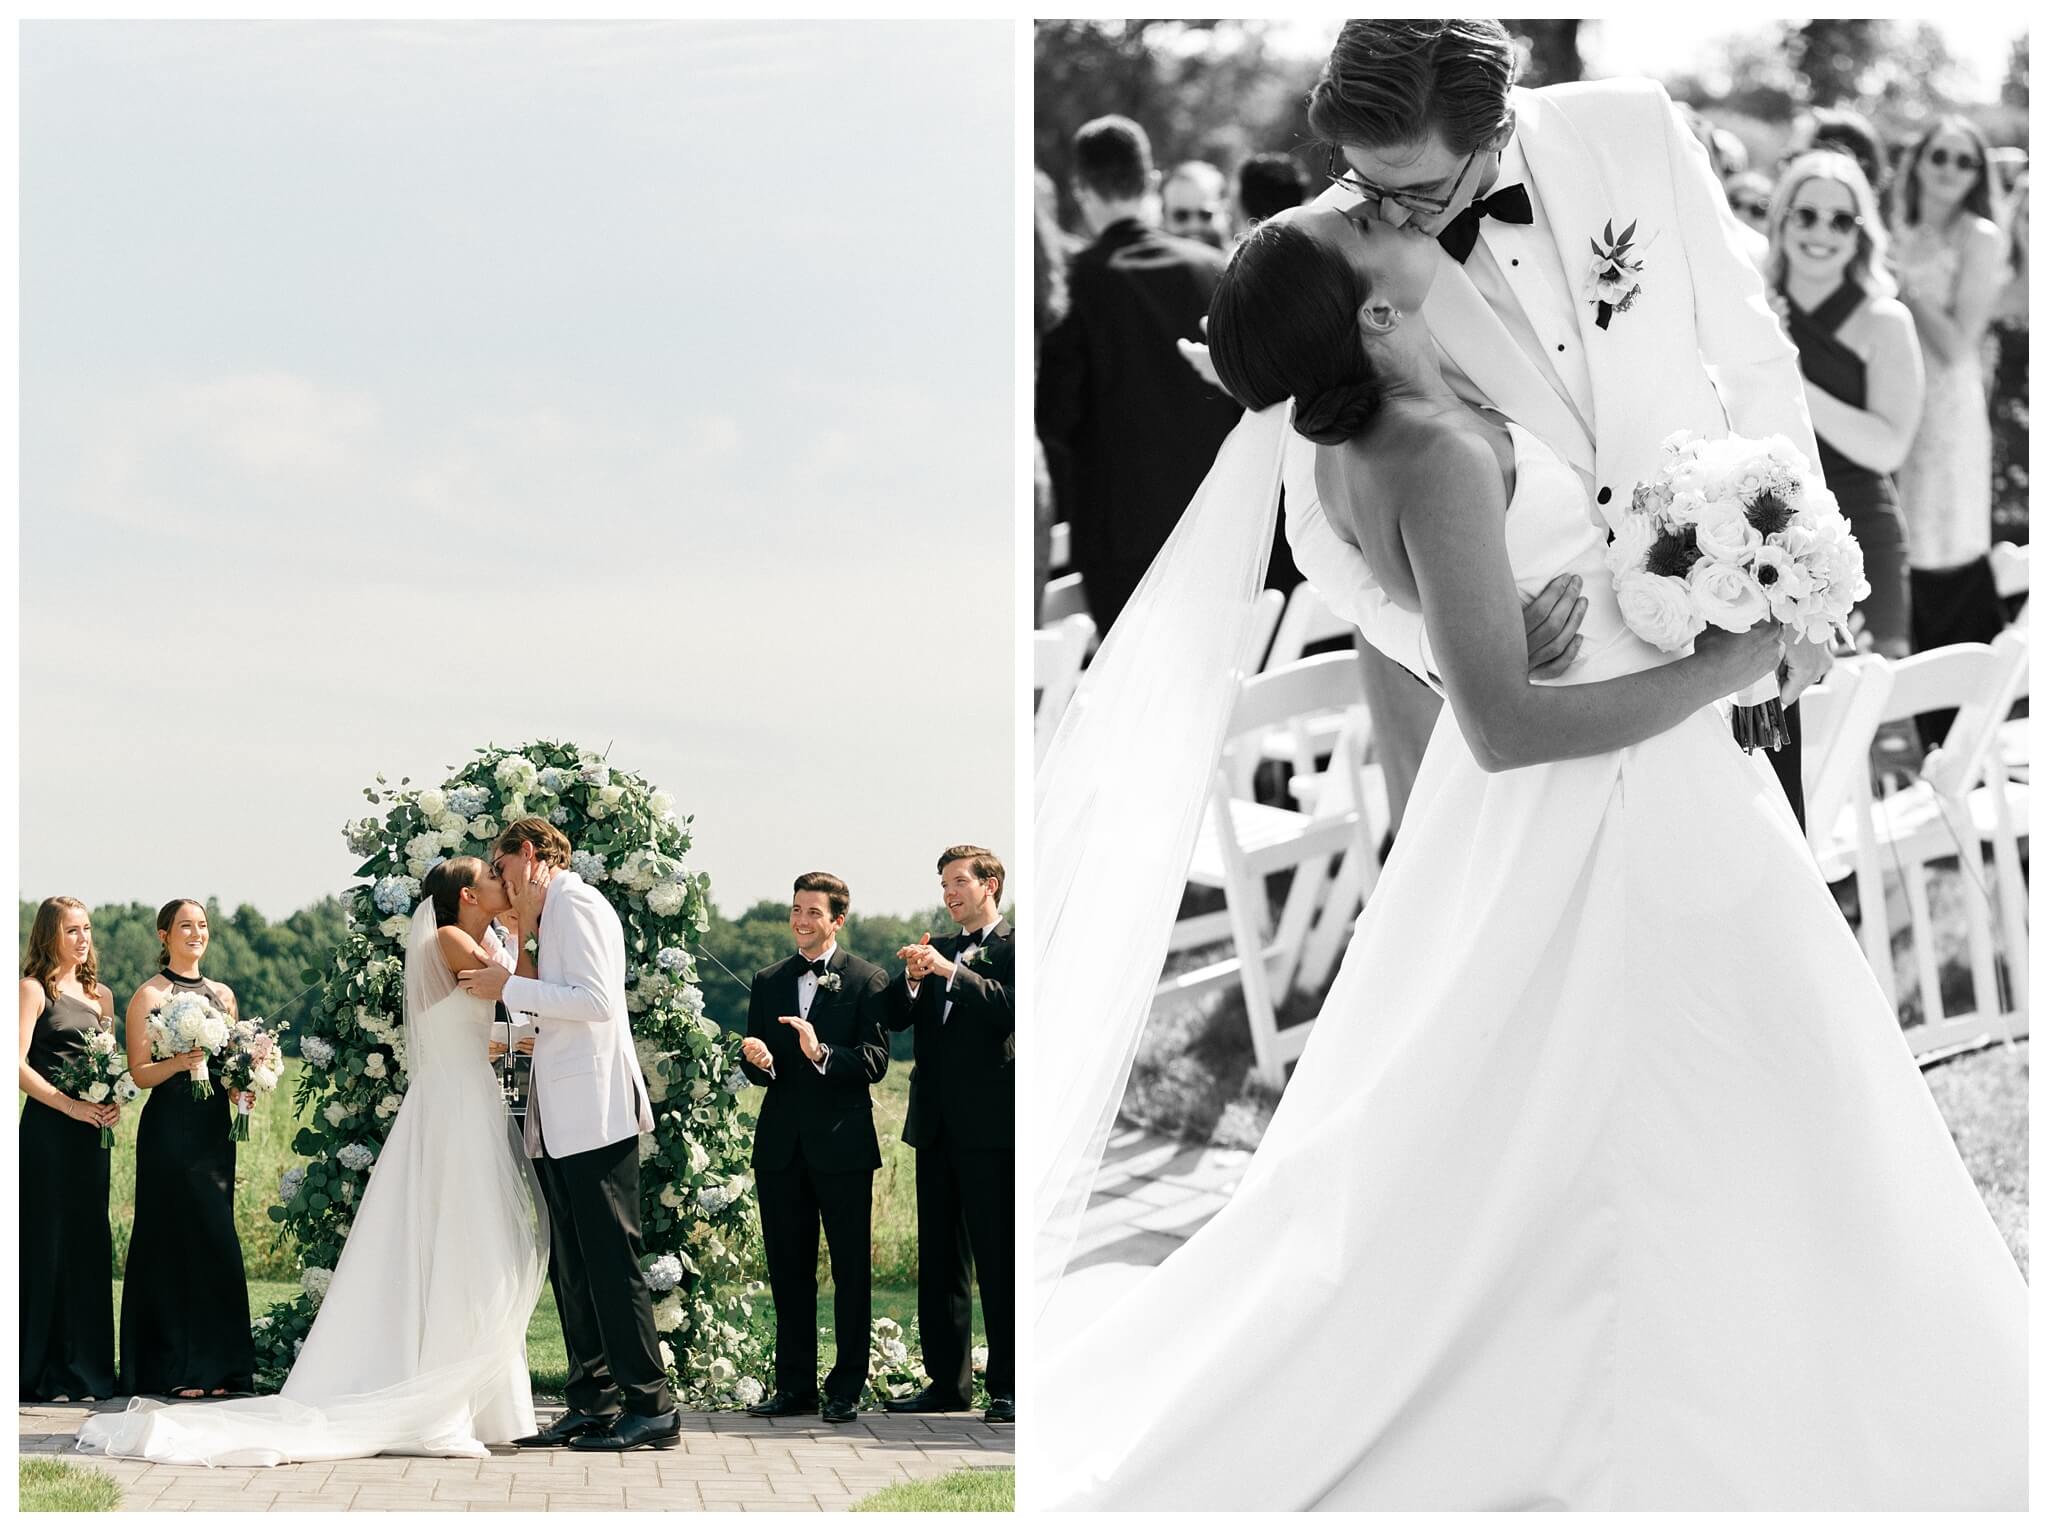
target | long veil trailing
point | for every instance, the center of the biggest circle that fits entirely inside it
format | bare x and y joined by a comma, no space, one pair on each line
419,1344
1119,800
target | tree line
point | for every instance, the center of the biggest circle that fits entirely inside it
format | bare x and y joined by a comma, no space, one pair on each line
263,962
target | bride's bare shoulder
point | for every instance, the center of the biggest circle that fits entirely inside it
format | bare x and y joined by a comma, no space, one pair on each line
1413,459
458,950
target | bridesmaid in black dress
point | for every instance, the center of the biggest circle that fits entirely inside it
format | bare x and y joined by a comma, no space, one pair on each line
1861,360
185,1303
67,1250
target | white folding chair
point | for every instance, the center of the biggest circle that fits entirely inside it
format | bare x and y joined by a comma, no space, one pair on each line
1062,545
2011,569
1840,718
1941,815
1063,598
1307,619
1056,655
1244,841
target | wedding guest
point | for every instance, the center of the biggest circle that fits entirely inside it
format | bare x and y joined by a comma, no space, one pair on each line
1861,362
184,1300
815,1043
1950,259
1266,183
66,1299
1129,428
1749,198
959,998
1048,303
2009,384
1192,197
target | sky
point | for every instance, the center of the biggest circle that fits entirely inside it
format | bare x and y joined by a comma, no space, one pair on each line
390,389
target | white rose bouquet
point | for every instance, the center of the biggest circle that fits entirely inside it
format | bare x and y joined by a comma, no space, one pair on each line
182,1023
251,1064
97,1073
1730,533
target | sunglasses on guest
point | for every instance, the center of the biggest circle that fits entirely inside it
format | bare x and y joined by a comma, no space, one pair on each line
1744,208
1810,218
1965,160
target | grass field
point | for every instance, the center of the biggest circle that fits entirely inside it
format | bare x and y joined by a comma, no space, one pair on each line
268,1154
47,1485
972,1488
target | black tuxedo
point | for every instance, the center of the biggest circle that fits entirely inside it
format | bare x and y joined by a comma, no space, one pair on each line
962,1122
815,1157
1129,428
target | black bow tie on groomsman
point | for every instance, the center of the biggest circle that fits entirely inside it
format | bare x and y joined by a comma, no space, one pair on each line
1510,205
815,966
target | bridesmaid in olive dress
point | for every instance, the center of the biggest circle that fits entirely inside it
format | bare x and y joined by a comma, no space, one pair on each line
67,1250
184,1303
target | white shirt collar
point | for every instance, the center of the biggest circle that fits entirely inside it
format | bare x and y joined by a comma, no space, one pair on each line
824,956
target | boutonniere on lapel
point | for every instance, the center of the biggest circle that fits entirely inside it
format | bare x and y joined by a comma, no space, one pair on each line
830,981
981,958
1612,281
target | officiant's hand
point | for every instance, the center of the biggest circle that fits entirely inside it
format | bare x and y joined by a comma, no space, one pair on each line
755,1051
486,982
498,1049
806,1036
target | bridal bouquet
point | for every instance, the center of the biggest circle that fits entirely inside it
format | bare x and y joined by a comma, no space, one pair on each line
97,1075
184,1022
251,1064
1733,532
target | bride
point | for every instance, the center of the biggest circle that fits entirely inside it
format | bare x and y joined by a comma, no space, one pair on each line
1606,1179
419,1347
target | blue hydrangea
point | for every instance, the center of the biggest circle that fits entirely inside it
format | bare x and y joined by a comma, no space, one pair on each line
393,895
289,1182
354,1156
467,802
316,1050
588,865
672,959
665,1274
552,780
559,816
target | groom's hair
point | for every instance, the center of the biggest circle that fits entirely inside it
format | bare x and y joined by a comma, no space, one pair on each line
1113,158
982,863
1390,83
838,898
549,843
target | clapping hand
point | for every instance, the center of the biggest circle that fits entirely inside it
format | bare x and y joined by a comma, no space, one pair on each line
755,1051
806,1036
922,960
1196,355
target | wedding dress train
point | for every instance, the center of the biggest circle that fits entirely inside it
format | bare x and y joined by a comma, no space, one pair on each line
419,1347
1606,1180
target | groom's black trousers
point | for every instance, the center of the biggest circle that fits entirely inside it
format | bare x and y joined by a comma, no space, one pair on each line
966,1209
795,1201
600,1291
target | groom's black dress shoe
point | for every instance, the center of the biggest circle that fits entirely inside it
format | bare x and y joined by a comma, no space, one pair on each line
839,1411
633,1431
1001,1411
567,1428
929,1401
775,1405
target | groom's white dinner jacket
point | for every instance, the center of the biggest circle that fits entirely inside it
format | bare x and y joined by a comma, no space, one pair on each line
587,1087
1700,348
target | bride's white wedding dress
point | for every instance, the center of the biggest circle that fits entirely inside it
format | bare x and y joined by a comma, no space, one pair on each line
419,1347
1606,1180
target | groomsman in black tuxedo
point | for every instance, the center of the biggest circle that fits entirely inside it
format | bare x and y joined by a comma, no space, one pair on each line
960,998
814,1040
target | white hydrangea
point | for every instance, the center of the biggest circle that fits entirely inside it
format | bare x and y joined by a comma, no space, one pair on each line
747,1393
516,775
665,1274
355,1156
595,772
668,1314
672,959
314,1281
666,899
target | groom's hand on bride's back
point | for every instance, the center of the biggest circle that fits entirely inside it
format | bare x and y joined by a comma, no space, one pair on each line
1550,621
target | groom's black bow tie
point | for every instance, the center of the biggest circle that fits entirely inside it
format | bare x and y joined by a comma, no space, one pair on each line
815,966
1510,205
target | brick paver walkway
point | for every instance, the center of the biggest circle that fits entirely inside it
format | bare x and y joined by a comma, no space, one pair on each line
1152,1194
724,1462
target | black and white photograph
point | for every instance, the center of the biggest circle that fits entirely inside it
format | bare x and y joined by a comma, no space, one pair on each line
519,775
1529,932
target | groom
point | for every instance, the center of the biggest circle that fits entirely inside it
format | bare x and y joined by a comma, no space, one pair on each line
585,1111
1520,188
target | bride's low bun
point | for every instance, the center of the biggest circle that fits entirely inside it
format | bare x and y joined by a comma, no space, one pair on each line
1284,324
1335,415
